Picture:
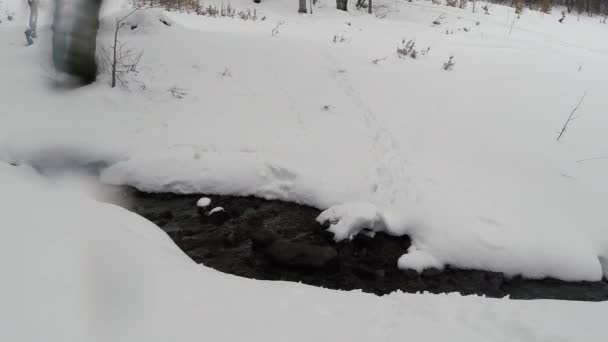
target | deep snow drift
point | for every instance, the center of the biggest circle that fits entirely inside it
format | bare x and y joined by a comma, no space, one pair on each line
464,161
78,270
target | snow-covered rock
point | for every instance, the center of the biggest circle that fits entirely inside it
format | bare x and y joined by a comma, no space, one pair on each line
204,202
216,210
347,220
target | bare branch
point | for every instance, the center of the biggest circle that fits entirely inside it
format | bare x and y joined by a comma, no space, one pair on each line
571,117
590,159
126,16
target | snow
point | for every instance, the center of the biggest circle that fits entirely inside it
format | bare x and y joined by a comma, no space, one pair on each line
347,220
215,210
465,162
203,202
493,248
418,260
79,270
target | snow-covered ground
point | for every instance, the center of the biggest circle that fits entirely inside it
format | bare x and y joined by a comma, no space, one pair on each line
78,270
464,161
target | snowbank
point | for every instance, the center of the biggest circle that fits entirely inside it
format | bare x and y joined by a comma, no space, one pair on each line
78,270
494,249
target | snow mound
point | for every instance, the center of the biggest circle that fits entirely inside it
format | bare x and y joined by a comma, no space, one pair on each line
347,220
215,210
185,171
149,21
493,250
203,202
418,260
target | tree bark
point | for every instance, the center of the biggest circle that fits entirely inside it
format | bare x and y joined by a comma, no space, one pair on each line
302,8
33,16
342,5
114,49
75,26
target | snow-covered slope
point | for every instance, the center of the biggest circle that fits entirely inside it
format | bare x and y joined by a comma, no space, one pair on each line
77,270
465,161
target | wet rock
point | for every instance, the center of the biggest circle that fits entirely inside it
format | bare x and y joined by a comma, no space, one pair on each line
230,239
295,254
368,272
411,274
262,238
218,217
431,272
164,215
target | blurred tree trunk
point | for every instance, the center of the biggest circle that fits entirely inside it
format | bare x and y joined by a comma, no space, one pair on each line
33,16
342,5
75,26
302,8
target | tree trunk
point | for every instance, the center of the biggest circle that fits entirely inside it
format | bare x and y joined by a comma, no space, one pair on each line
75,26
302,8
114,50
33,16
369,7
342,5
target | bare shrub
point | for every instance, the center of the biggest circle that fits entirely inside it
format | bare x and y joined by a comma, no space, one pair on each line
178,93
439,20
170,5
571,117
519,6
275,31
365,4
248,15
226,72
338,38
378,60
120,59
486,9
546,5
449,64
408,49
197,6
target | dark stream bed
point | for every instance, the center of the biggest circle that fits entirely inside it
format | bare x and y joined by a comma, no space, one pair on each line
274,240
